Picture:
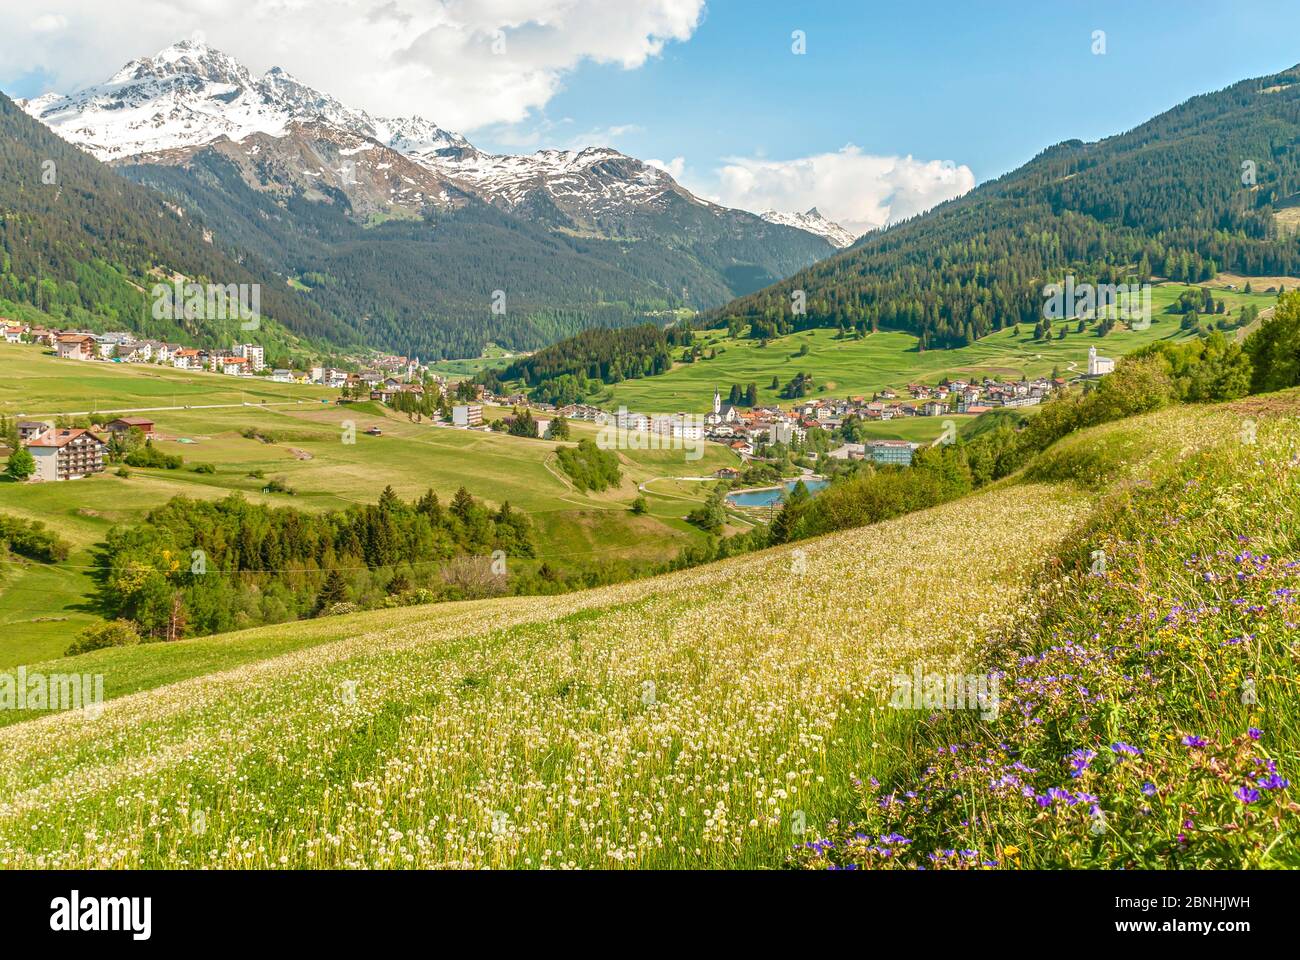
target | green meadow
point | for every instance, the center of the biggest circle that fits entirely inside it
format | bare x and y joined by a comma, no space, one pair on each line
34,382
847,367
303,444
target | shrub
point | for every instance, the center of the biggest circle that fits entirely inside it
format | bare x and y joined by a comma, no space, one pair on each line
589,467
151,456
29,538
106,633
21,464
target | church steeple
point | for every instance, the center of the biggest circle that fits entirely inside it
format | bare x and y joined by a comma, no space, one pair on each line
717,401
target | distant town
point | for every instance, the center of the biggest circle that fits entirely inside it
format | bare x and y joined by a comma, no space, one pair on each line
63,453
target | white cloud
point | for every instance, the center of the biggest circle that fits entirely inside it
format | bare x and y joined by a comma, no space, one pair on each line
674,167
49,23
462,63
857,190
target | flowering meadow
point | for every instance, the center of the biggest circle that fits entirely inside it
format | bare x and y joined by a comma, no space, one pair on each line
701,719
1150,714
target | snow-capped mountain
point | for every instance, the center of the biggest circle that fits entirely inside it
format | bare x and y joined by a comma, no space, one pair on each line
813,222
589,186
164,108
190,95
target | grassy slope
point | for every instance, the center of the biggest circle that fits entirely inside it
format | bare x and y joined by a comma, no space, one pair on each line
694,719
33,382
674,722
1148,710
572,527
889,359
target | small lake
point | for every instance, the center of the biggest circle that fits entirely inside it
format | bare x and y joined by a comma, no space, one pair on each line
763,498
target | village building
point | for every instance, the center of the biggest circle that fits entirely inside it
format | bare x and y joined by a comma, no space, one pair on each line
467,415
75,346
189,359
849,451
254,354
785,431
127,424
28,429
66,454
891,452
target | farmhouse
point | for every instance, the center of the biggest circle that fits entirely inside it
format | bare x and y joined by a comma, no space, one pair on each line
126,424
28,429
66,454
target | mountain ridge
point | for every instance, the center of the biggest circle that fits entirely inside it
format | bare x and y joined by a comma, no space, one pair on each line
342,203
189,95
1169,198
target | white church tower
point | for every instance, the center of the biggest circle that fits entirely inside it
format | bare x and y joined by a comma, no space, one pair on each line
1098,366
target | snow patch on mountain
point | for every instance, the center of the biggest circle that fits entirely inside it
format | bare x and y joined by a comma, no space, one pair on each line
812,222
190,95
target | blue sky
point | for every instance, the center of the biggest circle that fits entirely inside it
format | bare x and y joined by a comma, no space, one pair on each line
980,82
714,92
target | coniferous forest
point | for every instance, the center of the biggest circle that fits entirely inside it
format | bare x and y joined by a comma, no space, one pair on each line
1163,199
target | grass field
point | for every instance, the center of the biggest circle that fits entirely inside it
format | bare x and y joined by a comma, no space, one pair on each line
33,382
1148,715
685,721
309,454
889,359
493,357
717,716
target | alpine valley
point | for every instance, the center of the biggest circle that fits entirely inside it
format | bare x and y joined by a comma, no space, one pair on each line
405,232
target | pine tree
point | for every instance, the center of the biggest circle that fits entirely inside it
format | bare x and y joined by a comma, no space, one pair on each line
462,505
430,507
334,590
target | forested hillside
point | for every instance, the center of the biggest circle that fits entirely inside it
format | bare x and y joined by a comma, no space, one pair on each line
566,372
1191,192
82,243
425,284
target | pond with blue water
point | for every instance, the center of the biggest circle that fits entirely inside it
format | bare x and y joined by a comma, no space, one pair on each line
770,495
